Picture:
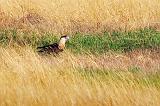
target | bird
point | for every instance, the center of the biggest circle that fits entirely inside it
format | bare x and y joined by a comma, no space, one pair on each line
54,48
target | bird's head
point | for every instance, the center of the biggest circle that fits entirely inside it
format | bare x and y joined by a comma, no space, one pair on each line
66,37
62,41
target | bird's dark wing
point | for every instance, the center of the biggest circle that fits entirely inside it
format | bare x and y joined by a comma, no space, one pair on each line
46,46
53,48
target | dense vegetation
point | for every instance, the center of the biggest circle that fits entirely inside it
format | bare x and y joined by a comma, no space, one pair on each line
81,43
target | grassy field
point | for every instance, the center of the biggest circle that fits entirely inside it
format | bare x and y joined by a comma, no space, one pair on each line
111,59
72,16
118,68
29,79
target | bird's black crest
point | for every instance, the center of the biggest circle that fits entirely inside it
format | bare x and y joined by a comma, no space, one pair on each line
64,36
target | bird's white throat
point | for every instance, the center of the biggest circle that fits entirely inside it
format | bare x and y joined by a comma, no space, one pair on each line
62,42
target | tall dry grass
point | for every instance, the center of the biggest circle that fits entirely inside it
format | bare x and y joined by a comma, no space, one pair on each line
29,79
70,16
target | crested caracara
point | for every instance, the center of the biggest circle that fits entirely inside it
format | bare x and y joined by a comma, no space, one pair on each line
54,48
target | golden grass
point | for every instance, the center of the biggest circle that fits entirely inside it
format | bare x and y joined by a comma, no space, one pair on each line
32,80
70,16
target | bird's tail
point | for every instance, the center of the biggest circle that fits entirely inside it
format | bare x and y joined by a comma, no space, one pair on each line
40,47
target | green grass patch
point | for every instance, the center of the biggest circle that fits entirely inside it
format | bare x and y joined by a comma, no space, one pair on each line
116,41
13,38
82,43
